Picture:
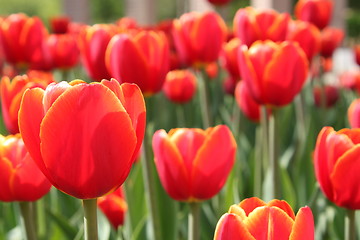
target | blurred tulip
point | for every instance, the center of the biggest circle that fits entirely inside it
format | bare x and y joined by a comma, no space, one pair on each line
193,164
251,24
212,70
357,54
219,2
114,207
23,39
246,103
350,80
59,24
336,164
20,178
84,137
317,12
229,85
331,39
142,58
198,37
329,94
11,95
253,219
93,41
180,86
307,35
274,73
126,23
229,57
354,114
64,50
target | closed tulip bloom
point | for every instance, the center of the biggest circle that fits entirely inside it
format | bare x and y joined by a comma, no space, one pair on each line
59,24
20,178
336,164
193,164
64,50
274,72
11,95
114,207
229,57
329,94
93,41
142,58
253,219
199,37
354,114
317,12
331,39
251,24
84,137
180,86
307,35
246,102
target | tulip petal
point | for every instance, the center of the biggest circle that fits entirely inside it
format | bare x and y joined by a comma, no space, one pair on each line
353,134
344,178
7,172
87,132
213,162
231,227
283,205
235,209
170,167
303,227
249,204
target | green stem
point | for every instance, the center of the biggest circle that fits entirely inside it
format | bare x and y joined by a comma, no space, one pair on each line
27,213
264,122
273,155
194,221
258,162
350,231
204,100
150,189
180,114
90,219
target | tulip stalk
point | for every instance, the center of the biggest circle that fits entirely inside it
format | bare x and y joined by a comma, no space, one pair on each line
90,219
264,124
350,228
27,213
204,100
273,154
194,221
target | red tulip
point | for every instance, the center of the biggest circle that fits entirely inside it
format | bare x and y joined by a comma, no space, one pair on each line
93,41
317,12
357,54
229,85
329,94
219,2
331,39
354,114
246,103
199,37
64,50
274,73
142,59
251,25
307,35
229,57
350,80
59,24
180,86
11,94
193,164
114,207
253,219
20,178
336,164
23,39
84,137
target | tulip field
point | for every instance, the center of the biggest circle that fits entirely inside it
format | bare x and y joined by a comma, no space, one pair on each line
192,128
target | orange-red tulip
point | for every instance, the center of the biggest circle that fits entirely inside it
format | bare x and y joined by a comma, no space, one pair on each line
93,41
329,94
331,39
23,39
84,137
273,72
251,24
11,94
337,165
180,86
142,58
20,178
64,50
253,219
246,102
318,12
354,114
199,37
114,207
229,57
193,164
307,35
